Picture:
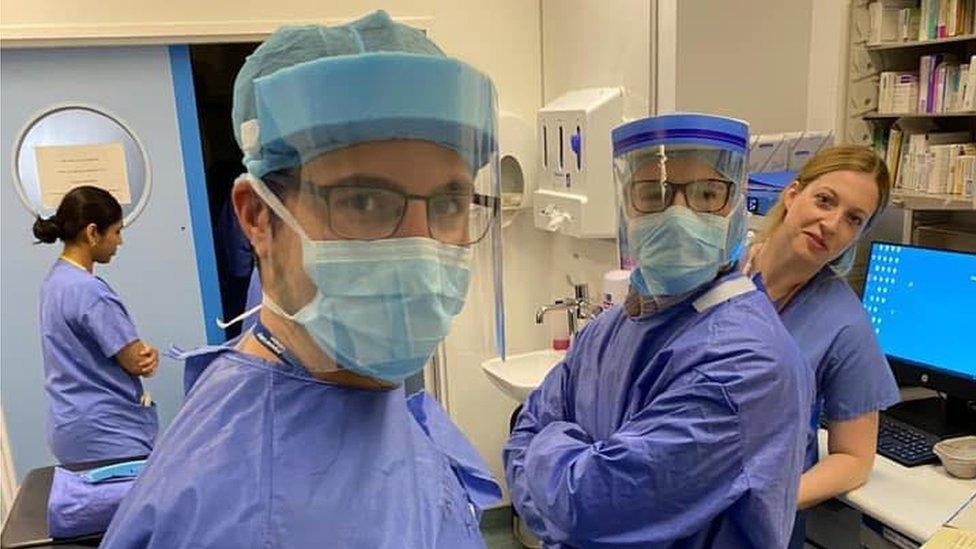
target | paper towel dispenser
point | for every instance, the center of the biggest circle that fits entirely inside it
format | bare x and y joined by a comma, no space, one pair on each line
576,194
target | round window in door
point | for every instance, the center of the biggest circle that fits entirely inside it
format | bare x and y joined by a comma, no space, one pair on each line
66,146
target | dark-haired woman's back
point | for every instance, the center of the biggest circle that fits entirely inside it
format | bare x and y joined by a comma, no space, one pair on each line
95,407
92,355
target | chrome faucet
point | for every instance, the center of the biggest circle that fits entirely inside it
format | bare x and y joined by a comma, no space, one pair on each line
577,308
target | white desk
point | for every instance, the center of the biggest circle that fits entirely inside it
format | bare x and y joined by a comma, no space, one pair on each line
915,501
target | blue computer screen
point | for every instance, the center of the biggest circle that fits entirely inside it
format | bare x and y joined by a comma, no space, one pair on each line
922,303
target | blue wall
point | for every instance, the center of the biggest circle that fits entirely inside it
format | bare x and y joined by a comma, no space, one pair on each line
155,272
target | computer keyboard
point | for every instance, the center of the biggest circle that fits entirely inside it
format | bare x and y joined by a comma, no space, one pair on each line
904,443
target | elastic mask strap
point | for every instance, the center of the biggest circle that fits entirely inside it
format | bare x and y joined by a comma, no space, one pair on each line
273,307
276,206
223,325
270,304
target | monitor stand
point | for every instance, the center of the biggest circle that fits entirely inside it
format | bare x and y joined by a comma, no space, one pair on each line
945,418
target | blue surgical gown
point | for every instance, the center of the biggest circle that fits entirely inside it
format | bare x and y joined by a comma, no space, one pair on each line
676,429
264,455
834,333
852,375
94,410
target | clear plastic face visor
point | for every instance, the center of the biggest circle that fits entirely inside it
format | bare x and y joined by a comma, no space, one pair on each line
706,180
393,198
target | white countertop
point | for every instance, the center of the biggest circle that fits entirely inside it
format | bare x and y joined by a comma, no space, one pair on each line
915,501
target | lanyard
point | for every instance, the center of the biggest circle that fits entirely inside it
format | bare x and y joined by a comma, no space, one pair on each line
271,343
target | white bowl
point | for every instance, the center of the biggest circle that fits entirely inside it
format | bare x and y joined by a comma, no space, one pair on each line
958,456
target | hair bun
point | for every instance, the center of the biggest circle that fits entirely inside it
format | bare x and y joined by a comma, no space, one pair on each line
48,230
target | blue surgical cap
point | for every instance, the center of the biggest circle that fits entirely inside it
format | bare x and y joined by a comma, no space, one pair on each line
309,90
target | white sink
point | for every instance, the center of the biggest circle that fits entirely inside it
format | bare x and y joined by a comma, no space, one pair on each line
518,375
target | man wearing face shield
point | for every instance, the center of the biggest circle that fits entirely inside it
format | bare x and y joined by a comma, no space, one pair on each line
371,176
675,420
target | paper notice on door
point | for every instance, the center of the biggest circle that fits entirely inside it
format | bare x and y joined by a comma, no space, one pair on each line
61,168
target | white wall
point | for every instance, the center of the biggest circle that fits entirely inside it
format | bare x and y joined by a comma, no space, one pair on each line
595,44
121,19
826,87
500,37
748,59
778,65
8,477
589,44
114,13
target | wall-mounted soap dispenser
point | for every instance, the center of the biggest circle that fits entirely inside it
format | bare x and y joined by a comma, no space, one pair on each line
576,195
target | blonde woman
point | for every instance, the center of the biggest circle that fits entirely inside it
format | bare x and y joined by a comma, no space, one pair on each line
806,249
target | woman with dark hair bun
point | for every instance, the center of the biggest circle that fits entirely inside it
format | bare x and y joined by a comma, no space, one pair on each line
93,357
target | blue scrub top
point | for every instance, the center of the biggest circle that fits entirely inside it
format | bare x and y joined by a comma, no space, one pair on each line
265,455
677,429
835,334
94,410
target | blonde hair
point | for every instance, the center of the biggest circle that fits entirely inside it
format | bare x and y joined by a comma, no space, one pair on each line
854,158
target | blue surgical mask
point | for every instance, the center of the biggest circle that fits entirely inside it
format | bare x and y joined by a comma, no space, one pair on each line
381,307
678,250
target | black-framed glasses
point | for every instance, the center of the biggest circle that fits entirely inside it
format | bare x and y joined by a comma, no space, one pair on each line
455,214
709,195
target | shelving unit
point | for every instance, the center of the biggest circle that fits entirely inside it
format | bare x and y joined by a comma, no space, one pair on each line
945,235
912,200
887,46
930,219
874,115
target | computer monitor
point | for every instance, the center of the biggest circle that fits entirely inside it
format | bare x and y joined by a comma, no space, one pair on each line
922,304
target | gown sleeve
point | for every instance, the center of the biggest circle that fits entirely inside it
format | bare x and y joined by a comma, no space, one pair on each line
678,460
471,470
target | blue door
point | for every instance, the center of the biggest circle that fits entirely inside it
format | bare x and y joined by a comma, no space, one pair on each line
165,272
